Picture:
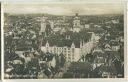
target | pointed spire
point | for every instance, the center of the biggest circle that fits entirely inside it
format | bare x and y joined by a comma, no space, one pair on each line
47,44
73,45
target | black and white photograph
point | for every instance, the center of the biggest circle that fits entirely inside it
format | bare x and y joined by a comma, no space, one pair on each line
63,41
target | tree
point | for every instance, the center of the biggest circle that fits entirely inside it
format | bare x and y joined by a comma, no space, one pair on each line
62,60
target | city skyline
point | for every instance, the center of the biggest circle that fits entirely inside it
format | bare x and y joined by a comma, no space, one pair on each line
56,46
64,9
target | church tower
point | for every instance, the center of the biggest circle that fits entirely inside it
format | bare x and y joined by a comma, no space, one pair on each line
43,24
93,37
47,44
73,45
76,21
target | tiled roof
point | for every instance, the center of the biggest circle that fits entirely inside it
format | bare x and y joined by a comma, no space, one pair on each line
61,41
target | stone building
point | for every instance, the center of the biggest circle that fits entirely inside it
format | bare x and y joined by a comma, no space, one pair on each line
72,51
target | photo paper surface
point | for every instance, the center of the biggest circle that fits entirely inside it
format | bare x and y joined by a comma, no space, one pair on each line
63,41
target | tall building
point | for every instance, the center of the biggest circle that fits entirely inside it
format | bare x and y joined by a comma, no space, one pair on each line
43,24
76,21
76,24
46,26
72,51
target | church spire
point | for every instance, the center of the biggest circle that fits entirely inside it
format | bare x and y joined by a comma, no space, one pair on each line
43,24
73,45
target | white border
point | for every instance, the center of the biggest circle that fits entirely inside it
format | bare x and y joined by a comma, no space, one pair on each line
125,41
65,0
68,80
2,42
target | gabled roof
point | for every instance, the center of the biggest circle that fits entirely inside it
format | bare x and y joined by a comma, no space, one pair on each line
104,68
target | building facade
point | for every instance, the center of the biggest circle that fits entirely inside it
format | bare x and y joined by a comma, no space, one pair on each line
72,53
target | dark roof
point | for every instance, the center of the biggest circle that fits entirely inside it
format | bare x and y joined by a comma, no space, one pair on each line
114,43
98,53
104,68
112,37
81,65
61,40
112,54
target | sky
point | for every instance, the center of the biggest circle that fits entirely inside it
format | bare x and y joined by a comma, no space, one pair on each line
64,8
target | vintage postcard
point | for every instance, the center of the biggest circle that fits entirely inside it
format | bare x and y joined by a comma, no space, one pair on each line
63,40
